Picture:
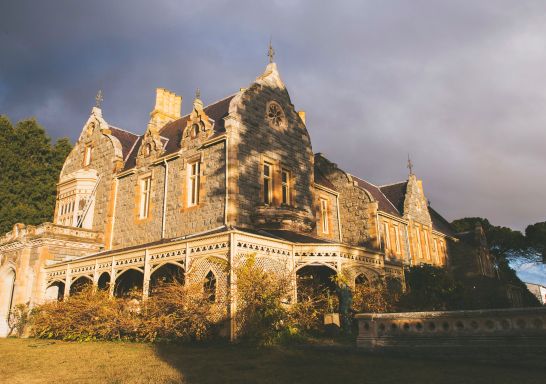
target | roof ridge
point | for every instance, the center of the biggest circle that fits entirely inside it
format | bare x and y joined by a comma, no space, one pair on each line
364,180
205,107
124,130
132,149
391,184
380,191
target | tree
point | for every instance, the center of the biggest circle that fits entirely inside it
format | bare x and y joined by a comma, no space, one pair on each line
536,237
29,171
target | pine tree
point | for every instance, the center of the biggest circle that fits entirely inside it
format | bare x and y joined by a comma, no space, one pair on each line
29,171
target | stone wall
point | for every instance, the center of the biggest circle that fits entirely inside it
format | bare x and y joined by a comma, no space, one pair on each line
286,146
488,328
105,157
357,210
180,220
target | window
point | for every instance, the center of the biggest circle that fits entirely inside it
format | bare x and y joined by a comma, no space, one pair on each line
418,235
427,249
87,156
145,187
436,250
275,115
268,183
397,238
209,286
193,183
387,235
324,215
285,187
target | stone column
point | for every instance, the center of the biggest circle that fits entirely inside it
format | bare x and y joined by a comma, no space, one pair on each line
146,281
112,277
68,281
232,287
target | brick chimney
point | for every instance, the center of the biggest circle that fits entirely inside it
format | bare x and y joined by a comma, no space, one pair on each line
168,106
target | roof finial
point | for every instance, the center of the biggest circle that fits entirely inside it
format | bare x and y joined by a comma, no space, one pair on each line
98,99
410,165
270,52
197,93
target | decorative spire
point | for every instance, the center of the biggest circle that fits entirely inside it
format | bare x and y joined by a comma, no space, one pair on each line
271,52
197,103
410,165
98,99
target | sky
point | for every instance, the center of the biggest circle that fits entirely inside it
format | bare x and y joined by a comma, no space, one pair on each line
457,85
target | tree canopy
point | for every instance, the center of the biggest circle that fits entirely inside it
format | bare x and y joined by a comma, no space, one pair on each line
29,170
506,243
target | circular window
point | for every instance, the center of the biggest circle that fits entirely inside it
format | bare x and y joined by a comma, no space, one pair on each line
275,115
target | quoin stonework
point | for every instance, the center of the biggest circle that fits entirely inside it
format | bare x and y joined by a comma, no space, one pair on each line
196,194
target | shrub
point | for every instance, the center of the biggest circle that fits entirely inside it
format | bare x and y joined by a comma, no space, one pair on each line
261,302
18,319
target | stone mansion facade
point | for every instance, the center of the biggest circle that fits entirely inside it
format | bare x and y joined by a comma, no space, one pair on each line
198,192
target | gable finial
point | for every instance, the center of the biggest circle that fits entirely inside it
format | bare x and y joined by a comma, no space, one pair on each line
98,99
410,165
271,51
197,93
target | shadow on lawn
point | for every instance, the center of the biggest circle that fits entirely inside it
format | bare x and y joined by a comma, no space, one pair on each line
237,363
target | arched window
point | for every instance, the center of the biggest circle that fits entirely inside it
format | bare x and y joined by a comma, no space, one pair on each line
210,286
361,279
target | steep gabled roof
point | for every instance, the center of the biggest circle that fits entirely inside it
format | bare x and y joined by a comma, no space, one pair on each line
321,179
396,193
171,133
126,138
384,203
440,224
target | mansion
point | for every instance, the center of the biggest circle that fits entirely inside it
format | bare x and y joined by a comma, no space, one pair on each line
200,192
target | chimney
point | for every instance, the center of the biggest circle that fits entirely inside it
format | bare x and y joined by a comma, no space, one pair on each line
168,106
302,116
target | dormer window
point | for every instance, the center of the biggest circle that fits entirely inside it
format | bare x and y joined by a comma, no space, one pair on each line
147,150
87,156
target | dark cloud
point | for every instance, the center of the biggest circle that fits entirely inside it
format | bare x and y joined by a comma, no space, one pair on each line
459,85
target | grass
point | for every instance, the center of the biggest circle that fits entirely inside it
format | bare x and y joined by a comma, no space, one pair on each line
42,361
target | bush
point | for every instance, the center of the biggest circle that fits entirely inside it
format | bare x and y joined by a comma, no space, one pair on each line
175,312
18,319
262,300
376,296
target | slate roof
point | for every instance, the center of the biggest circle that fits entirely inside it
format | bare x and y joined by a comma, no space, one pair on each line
440,224
320,179
384,203
171,133
396,193
293,237
126,138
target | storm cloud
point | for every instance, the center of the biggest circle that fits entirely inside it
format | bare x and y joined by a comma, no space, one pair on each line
459,85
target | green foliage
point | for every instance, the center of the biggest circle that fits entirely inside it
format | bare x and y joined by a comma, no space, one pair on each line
29,171
430,288
536,237
261,315
378,296
505,243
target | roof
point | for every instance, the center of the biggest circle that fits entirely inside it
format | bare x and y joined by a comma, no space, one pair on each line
171,133
384,203
126,138
320,179
440,224
396,193
293,237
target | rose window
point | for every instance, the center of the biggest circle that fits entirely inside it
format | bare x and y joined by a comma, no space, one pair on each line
275,115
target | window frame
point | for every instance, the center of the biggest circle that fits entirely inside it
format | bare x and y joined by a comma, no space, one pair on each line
87,154
324,216
145,191
286,187
194,183
267,183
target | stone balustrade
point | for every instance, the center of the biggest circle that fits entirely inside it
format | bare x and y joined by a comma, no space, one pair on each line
22,232
518,327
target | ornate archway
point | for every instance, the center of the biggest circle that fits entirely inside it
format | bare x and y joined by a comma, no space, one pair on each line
79,284
166,273
129,281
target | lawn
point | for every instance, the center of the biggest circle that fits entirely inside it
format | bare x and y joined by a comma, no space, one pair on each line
42,361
